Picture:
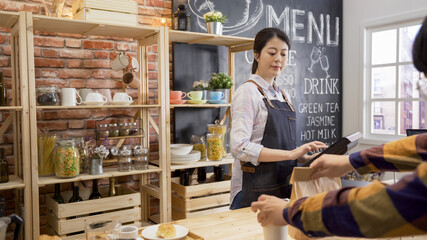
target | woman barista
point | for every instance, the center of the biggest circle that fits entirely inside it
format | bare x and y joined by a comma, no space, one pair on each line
263,139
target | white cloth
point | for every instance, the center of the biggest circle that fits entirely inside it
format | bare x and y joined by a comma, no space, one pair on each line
249,115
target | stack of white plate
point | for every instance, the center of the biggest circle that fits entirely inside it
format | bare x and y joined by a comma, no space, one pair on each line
191,157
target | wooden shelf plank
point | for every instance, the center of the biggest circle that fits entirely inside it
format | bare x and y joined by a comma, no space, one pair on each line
14,182
9,108
108,172
226,160
63,25
200,105
208,39
8,19
92,106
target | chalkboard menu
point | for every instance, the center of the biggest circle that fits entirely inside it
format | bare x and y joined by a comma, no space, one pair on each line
312,77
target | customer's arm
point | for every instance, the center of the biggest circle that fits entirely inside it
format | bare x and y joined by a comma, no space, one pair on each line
376,210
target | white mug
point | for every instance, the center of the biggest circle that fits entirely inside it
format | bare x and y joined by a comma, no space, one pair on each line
96,97
272,232
69,97
122,97
84,92
128,232
120,62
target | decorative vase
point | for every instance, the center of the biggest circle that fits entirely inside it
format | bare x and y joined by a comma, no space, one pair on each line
214,27
205,95
96,166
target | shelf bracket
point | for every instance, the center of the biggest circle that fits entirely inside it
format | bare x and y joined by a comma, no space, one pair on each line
6,124
156,128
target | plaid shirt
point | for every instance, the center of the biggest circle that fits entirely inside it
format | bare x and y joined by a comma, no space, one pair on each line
376,210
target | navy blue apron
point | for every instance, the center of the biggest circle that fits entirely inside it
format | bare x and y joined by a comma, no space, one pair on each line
272,178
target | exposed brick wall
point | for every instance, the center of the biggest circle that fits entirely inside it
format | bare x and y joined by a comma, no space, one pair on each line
72,60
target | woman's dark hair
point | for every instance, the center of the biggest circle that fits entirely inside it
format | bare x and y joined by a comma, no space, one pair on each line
419,50
261,39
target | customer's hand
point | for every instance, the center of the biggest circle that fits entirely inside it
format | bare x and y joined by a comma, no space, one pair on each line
271,210
330,165
314,146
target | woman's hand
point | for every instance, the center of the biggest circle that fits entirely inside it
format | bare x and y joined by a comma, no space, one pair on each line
308,147
271,210
330,165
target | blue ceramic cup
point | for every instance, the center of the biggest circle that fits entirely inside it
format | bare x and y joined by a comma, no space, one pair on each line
216,95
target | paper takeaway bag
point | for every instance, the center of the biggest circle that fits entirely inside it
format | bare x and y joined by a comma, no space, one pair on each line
304,186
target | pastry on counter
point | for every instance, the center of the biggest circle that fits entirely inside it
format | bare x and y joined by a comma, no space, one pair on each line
166,230
47,237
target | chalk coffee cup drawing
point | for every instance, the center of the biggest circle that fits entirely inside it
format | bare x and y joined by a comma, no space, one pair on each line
128,232
130,79
177,95
122,97
96,97
84,92
213,95
120,62
272,232
69,97
195,95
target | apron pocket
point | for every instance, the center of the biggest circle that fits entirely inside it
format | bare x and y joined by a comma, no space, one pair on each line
292,129
281,190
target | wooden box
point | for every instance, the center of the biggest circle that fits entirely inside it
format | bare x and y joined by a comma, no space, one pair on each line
68,220
123,6
107,17
200,199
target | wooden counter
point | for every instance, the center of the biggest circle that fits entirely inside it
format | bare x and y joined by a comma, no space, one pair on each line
239,224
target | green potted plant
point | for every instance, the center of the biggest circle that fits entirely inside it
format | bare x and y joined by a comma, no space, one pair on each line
221,82
214,22
203,86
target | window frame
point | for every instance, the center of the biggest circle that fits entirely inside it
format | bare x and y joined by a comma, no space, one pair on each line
367,29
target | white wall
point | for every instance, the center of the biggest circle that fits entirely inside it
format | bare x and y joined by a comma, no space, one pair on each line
355,12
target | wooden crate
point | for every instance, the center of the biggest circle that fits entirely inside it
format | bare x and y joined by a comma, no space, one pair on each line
68,220
200,199
106,17
124,6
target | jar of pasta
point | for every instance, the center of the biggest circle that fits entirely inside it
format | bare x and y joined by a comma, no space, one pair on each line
214,147
67,158
46,145
199,144
219,129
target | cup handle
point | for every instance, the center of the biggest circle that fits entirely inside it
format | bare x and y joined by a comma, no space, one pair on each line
222,96
184,95
130,98
104,98
79,99
189,95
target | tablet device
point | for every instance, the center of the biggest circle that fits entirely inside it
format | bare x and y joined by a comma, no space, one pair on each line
340,147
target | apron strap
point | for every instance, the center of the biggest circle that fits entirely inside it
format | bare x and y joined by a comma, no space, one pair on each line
268,100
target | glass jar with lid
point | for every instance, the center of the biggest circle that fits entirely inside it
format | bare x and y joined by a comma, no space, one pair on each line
214,147
125,160
141,157
103,131
219,129
124,129
113,130
67,158
199,144
47,95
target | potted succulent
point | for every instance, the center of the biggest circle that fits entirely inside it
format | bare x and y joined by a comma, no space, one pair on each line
214,22
201,85
221,82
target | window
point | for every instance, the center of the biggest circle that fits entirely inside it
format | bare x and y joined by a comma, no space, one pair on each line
392,103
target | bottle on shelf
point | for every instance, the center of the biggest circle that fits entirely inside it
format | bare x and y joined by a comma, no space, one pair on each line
4,167
95,194
76,197
3,91
201,174
57,197
219,173
112,191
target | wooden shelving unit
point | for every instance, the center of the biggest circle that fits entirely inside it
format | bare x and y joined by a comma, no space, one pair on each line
145,36
18,117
